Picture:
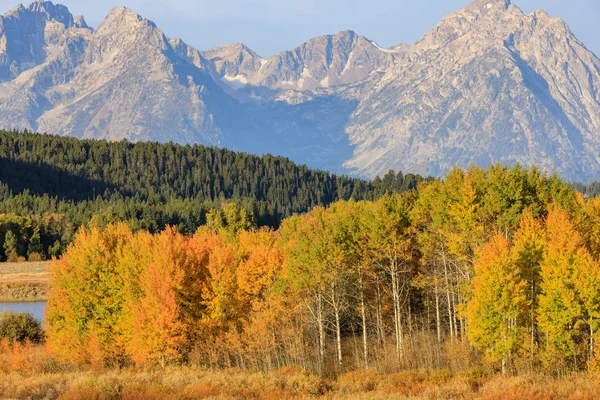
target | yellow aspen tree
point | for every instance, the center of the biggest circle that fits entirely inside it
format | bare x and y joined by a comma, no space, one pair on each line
560,304
260,266
587,282
589,222
527,253
87,297
304,272
497,312
391,246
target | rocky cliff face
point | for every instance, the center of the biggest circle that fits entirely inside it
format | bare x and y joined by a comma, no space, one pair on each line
132,84
321,62
40,47
487,84
29,35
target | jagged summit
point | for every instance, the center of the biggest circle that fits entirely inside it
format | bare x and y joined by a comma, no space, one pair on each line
79,22
485,5
15,10
50,10
234,61
33,35
124,16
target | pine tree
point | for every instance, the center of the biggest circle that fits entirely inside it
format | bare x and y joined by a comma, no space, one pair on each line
10,245
35,245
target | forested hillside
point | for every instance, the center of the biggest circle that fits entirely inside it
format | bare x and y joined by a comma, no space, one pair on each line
51,185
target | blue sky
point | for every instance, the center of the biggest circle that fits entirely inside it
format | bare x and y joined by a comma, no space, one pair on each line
269,26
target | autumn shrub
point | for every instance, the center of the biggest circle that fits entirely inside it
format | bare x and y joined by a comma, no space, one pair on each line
459,355
298,382
357,382
34,257
594,365
20,327
41,386
12,257
28,358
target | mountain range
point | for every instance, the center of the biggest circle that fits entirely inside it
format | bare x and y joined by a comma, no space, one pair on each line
489,83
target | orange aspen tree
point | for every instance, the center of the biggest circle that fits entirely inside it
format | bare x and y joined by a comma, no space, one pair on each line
497,312
158,332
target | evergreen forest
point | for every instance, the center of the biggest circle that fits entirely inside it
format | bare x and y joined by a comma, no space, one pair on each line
51,185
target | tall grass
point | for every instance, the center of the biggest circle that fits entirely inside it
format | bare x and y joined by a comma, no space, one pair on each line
288,383
29,372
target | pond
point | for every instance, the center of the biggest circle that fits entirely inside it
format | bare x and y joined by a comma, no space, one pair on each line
37,308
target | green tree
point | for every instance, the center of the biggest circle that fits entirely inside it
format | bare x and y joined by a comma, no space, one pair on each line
55,250
20,327
35,245
10,244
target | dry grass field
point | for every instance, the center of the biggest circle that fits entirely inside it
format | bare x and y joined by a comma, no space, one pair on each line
25,272
290,383
25,281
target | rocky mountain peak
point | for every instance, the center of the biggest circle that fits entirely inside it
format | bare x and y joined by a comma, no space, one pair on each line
486,6
231,52
125,31
28,35
477,28
79,22
486,74
56,12
347,35
124,18
15,10
41,11
235,63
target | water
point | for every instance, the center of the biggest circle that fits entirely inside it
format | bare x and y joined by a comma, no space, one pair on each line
37,308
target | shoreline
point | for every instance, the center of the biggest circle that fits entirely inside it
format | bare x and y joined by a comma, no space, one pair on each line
23,293
27,301
27,282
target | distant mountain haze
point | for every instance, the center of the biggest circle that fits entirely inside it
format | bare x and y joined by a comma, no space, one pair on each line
489,83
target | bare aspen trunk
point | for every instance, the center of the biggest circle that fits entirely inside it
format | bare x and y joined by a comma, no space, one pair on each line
364,322
454,319
532,321
338,336
380,326
321,323
410,323
437,311
591,339
335,304
397,313
448,298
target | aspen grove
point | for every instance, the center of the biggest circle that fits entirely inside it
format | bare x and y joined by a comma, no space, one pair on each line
494,268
